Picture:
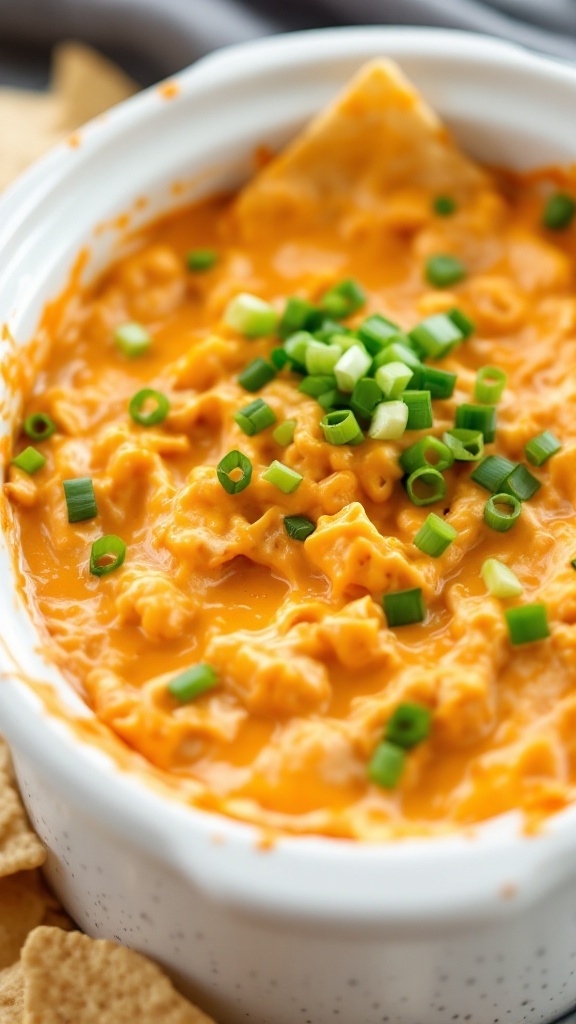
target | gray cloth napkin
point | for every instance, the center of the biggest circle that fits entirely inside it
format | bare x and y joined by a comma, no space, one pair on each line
154,38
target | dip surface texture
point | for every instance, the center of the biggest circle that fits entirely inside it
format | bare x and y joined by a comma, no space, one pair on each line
308,671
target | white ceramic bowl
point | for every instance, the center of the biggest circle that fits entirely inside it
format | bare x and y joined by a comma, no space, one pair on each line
479,929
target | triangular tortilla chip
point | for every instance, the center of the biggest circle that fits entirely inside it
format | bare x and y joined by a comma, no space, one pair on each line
20,850
86,84
378,136
69,977
24,902
12,995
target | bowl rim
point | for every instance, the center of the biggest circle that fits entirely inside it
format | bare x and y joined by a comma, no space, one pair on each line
318,878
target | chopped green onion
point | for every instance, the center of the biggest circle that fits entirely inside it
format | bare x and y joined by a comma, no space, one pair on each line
419,409
345,341
466,445
321,358
490,383
234,460
200,260
501,512
39,426
493,472
30,460
80,499
192,683
397,352
328,328
499,579
527,623
298,527
440,383
521,483
284,478
443,270
376,331
464,324
389,421
279,357
254,418
132,339
156,415
559,212
435,536
409,725
340,427
107,554
404,607
298,315
387,765
296,347
436,336
284,432
393,378
433,482
540,448
353,364
444,206
478,417
333,399
250,316
258,373
317,385
365,397
343,299
429,451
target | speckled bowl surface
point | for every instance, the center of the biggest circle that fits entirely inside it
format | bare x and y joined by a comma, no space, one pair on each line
311,931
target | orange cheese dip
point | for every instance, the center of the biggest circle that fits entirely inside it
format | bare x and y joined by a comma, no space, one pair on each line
308,671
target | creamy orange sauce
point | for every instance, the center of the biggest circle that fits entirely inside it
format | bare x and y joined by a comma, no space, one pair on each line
308,671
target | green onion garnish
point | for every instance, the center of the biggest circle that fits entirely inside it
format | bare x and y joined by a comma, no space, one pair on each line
431,480
376,332
232,462
429,451
343,299
107,554
527,623
490,383
419,409
80,499
466,445
444,206
284,478
409,725
435,536
344,341
258,373
250,316
30,460
156,415
39,426
386,765
501,512
464,324
389,421
254,418
559,212
284,433
329,328
493,472
365,397
404,607
499,579
279,357
200,260
296,347
298,527
443,270
353,364
436,336
317,384
393,378
521,483
397,352
541,447
333,399
340,426
321,358
299,315
192,683
132,339
478,417
440,383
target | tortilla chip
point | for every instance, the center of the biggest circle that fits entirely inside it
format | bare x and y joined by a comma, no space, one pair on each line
12,995
69,977
86,83
377,137
29,127
20,849
23,904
